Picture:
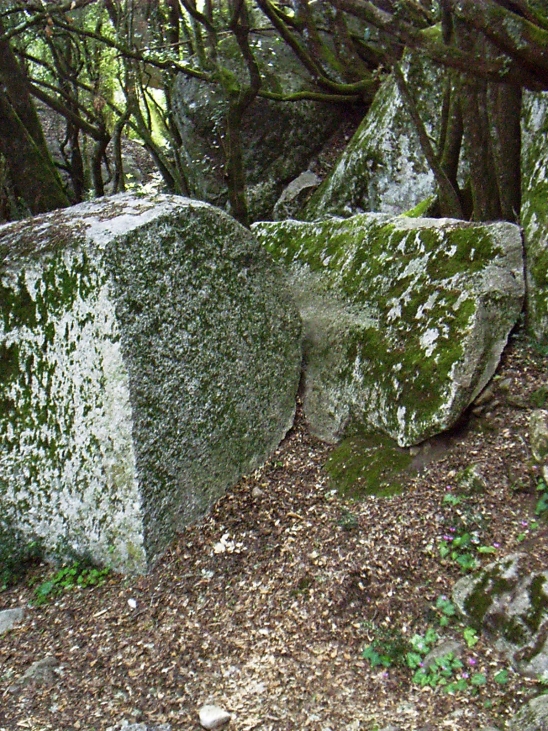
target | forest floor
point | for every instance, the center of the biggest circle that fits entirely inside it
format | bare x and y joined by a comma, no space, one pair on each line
265,606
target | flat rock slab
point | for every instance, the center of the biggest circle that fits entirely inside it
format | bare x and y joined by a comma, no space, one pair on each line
149,356
404,318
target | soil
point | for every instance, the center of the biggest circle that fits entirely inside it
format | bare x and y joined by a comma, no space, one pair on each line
265,606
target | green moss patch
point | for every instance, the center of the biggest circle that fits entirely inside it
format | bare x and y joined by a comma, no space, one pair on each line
368,465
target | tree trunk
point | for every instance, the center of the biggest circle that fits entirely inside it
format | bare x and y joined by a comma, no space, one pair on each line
34,175
22,141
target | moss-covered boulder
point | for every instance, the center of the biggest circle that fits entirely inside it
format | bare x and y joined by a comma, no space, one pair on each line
383,168
404,319
149,356
510,605
534,208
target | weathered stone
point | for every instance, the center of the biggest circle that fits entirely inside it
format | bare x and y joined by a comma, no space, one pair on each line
471,480
534,208
149,356
538,436
532,717
448,647
279,140
404,319
383,167
293,197
41,672
212,717
511,606
9,618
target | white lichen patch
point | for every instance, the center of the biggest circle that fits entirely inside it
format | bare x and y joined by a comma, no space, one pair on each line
428,341
433,324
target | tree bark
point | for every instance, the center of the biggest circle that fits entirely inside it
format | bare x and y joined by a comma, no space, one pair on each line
22,141
35,177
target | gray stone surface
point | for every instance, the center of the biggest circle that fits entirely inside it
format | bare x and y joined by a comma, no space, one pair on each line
150,355
212,717
511,606
383,168
448,647
9,618
538,439
293,196
532,717
404,318
41,672
534,208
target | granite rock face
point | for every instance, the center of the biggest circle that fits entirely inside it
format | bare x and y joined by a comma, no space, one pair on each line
383,168
534,208
404,318
279,140
149,355
510,605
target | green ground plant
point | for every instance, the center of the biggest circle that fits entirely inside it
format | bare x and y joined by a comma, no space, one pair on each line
75,574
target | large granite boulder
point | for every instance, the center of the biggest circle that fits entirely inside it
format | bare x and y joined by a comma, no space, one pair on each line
279,139
510,605
534,208
383,168
404,318
149,355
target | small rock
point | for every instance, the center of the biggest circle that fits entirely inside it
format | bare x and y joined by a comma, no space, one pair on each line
485,396
391,728
538,435
257,492
472,481
40,672
9,617
449,647
213,717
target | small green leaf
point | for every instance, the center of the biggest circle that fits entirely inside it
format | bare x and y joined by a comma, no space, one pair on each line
478,679
470,636
501,677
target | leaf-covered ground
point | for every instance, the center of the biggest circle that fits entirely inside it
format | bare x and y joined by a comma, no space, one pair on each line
266,605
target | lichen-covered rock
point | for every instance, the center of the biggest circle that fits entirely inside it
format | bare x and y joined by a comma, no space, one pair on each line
383,167
534,208
533,716
149,356
404,319
511,605
538,439
279,140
